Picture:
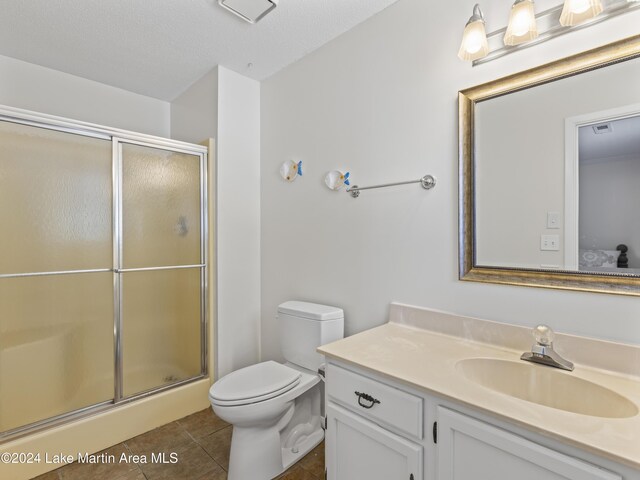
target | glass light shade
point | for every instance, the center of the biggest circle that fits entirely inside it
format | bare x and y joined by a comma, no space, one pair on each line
575,12
522,25
474,42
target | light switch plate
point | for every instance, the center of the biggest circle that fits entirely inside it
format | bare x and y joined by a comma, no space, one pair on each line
553,219
550,242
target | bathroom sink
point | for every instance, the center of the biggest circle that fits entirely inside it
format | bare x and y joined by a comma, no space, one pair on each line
547,386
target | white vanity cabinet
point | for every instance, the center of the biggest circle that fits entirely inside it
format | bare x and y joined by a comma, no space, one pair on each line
380,430
373,429
469,449
357,448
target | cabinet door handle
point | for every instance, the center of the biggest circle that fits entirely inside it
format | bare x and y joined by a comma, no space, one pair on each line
366,398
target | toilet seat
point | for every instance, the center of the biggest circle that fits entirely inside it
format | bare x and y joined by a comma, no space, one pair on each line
253,384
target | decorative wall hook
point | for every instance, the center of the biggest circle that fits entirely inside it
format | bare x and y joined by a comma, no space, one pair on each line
290,170
335,179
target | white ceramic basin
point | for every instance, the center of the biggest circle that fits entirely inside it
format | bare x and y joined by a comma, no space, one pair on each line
547,386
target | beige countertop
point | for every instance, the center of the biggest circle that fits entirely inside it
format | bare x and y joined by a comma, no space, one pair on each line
426,359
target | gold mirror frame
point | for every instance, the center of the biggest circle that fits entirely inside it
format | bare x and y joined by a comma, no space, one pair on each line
601,283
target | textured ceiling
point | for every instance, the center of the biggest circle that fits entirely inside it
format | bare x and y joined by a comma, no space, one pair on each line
160,47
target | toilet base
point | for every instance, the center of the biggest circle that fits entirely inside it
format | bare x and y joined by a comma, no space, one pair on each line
270,436
257,454
311,442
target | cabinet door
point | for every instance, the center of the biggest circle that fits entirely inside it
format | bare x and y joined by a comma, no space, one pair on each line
359,449
469,449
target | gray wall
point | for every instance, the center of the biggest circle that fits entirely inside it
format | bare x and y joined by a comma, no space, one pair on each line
606,220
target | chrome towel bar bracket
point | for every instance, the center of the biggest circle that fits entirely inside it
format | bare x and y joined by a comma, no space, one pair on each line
427,182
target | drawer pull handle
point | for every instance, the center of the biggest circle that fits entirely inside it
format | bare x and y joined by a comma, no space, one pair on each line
367,398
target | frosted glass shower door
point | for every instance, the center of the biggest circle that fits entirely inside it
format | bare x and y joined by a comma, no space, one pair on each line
103,270
162,267
56,284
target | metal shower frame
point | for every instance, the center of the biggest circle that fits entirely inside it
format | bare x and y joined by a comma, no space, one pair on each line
119,138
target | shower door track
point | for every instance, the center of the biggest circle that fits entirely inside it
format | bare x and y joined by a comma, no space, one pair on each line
88,411
118,138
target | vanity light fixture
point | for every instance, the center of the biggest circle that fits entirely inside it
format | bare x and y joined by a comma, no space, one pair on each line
527,28
522,25
575,12
474,39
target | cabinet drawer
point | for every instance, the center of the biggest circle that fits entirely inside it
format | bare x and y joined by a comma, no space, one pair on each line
372,399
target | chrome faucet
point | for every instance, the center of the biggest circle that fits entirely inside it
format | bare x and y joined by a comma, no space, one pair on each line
543,352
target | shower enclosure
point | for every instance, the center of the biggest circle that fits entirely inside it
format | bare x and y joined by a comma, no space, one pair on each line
103,268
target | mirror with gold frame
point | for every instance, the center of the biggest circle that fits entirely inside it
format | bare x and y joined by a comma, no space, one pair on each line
550,174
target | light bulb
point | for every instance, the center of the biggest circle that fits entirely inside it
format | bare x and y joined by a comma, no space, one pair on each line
579,6
575,12
522,23
474,39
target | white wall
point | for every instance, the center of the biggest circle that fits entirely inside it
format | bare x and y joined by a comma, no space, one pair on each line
238,158
32,87
381,101
194,113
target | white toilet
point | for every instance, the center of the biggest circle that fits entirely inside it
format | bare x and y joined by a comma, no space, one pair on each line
275,408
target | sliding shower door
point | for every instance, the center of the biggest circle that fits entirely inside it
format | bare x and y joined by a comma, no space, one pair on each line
161,258
56,301
102,269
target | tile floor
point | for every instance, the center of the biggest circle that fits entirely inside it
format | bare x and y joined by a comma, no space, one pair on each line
202,442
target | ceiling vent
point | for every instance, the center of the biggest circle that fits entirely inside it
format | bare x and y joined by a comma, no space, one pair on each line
602,128
249,10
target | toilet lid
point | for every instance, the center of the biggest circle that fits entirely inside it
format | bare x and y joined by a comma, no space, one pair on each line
254,384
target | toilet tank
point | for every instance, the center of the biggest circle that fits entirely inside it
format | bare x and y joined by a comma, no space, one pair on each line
304,327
